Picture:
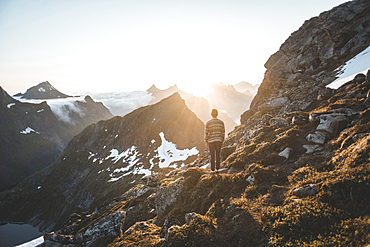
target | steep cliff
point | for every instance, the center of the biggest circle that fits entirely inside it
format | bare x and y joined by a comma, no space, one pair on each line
310,58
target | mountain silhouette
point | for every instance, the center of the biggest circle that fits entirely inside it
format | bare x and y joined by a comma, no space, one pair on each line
33,135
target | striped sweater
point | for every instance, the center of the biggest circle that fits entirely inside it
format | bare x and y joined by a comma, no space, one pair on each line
214,131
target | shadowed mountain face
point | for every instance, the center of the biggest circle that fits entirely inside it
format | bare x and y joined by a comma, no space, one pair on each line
33,135
24,150
108,158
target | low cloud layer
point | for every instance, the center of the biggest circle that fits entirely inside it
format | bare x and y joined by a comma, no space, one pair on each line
122,103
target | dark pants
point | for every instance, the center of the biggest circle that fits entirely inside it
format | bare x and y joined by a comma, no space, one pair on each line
215,150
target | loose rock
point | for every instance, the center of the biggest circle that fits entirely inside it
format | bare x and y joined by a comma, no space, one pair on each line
308,190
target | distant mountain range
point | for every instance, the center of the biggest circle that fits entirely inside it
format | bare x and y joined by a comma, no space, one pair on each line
230,102
33,135
109,157
56,117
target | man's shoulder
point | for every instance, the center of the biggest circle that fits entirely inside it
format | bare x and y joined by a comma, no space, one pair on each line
214,121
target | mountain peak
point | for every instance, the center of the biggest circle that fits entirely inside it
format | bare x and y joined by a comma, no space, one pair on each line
152,89
5,98
43,90
174,87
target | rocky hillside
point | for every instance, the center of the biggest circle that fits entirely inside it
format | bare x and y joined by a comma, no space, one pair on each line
308,60
295,173
300,181
33,135
105,160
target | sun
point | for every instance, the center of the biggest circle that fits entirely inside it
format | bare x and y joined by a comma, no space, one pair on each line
196,89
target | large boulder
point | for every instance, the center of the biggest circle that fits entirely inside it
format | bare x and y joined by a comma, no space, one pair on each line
167,196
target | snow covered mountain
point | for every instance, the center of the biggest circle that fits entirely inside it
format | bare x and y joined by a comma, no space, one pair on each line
35,132
108,158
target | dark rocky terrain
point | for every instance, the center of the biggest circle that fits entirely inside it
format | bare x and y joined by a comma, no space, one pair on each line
296,172
32,136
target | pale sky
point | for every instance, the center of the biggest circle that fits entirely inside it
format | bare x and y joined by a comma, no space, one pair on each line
121,46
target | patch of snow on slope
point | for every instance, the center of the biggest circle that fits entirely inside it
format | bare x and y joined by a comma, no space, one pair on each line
358,64
10,105
130,154
28,130
130,157
168,152
32,243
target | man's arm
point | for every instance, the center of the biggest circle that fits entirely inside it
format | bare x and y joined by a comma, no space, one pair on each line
206,134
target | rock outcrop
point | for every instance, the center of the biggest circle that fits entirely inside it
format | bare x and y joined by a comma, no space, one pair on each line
307,61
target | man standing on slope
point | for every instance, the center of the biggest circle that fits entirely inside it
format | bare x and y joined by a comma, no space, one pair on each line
214,137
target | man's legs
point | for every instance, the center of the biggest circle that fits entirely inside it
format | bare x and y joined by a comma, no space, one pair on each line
215,149
218,155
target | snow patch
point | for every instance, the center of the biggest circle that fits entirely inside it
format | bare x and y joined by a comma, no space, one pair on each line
358,64
40,110
250,179
41,89
130,154
168,153
91,155
28,130
285,153
131,157
206,166
10,105
33,243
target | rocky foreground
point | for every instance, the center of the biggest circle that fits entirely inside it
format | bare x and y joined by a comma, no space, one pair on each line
302,179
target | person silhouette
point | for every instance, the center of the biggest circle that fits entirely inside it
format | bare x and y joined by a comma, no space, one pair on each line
214,138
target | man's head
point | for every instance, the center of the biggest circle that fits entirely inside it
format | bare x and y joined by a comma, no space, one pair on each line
214,113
